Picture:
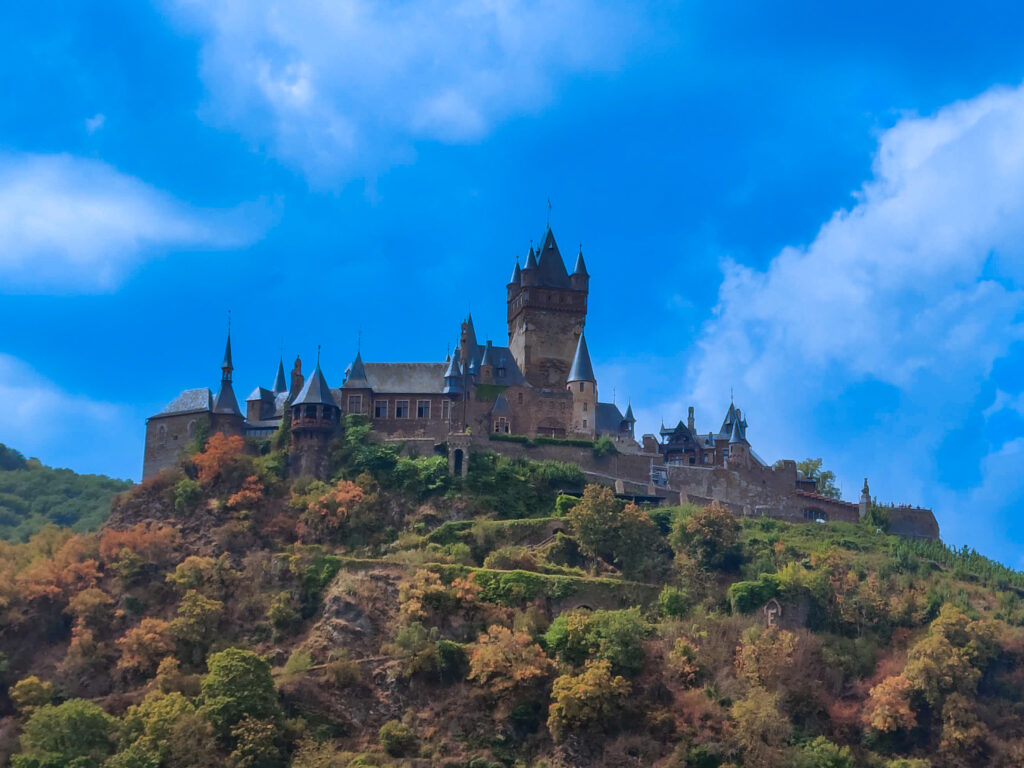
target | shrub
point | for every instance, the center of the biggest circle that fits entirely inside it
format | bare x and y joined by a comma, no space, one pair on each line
283,614
673,602
748,596
613,636
187,493
397,740
298,661
508,664
822,753
511,559
29,693
586,701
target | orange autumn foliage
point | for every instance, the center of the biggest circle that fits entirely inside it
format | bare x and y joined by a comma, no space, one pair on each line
219,453
143,647
327,513
248,496
154,544
888,706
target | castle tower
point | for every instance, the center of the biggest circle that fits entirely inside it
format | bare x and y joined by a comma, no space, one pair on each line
227,416
630,420
583,386
546,315
739,449
486,372
314,420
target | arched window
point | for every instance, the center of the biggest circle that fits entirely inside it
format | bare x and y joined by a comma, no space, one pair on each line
161,434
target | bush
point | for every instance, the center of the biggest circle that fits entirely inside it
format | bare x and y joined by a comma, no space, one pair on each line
397,740
187,493
586,701
238,686
822,753
748,596
614,636
673,602
29,693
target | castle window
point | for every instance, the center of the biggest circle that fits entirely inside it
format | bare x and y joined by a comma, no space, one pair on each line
380,409
162,435
190,428
310,412
520,398
422,409
581,386
501,425
401,409
584,406
815,514
446,410
355,403
501,373
584,423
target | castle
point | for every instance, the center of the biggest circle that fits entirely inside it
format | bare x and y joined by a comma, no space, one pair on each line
537,396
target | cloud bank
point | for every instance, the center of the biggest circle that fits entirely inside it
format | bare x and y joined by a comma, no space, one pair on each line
875,344
41,419
74,225
344,88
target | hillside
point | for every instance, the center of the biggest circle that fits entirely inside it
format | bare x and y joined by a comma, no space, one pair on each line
397,616
33,495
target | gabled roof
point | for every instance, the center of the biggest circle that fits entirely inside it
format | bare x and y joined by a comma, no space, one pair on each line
315,391
500,404
581,369
260,394
280,383
581,267
225,403
190,400
550,267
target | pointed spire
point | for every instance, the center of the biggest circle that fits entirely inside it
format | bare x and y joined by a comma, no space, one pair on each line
280,384
629,413
531,258
488,356
516,274
226,366
736,436
730,417
581,267
356,373
550,267
581,369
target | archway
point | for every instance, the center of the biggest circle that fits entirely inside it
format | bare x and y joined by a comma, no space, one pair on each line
458,462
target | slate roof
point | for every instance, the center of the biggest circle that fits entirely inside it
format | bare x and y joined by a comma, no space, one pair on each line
609,418
227,354
315,391
226,402
260,394
735,436
190,400
516,274
500,404
550,267
531,259
581,369
629,413
280,383
405,378
502,358
356,373
581,267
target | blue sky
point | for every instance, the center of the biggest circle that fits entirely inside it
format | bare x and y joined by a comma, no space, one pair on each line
818,207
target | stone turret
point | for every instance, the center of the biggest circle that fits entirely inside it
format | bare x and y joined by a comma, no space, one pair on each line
315,417
583,386
297,379
227,416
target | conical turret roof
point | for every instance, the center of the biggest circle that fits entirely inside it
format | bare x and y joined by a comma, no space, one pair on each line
227,354
736,436
315,391
581,267
581,369
280,383
356,373
488,356
629,413
516,275
531,259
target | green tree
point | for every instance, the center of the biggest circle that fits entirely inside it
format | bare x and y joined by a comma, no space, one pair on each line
824,479
586,701
709,536
822,753
29,693
614,636
238,685
619,533
76,733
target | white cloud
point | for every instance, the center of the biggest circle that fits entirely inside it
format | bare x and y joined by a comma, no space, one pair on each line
343,88
69,224
95,122
41,419
873,343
